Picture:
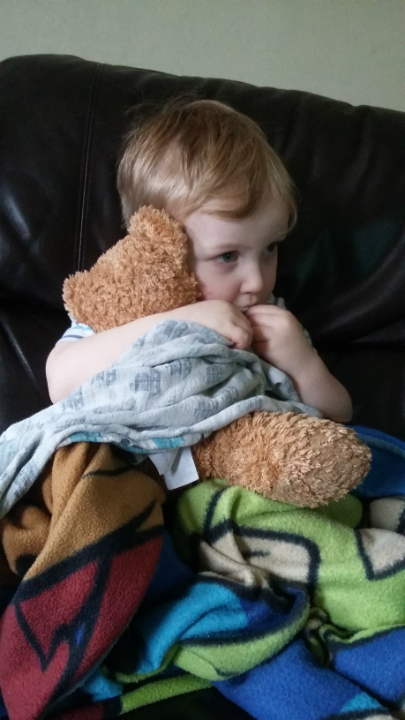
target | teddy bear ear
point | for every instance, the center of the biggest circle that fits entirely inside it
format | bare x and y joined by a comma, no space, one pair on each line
144,273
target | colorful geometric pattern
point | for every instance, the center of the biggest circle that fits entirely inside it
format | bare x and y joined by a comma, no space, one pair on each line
86,583
291,613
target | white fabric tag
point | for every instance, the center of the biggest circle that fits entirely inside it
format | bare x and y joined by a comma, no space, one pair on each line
177,467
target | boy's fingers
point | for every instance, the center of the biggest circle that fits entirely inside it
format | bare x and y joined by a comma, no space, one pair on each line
259,335
261,313
241,337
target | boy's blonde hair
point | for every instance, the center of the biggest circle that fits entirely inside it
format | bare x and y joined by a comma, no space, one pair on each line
192,153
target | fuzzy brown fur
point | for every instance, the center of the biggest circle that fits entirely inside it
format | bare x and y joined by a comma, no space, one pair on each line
144,273
293,458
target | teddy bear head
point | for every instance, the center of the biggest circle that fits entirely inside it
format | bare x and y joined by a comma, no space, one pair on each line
144,273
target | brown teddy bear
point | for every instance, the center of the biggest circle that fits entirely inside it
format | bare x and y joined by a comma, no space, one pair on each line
289,457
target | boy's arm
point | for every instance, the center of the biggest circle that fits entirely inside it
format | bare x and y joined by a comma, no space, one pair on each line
316,386
279,338
70,364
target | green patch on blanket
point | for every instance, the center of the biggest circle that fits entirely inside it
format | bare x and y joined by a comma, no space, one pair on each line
353,574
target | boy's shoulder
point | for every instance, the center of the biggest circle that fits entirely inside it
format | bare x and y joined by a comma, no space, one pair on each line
76,331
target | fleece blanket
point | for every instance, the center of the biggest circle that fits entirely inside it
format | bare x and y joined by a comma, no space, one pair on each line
174,386
77,555
111,602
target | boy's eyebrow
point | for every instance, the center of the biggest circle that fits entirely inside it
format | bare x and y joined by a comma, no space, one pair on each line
236,243
224,243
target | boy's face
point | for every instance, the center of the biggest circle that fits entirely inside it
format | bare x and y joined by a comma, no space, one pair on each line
236,260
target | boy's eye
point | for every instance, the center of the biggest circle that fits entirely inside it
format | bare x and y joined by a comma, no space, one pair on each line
228,257
272,247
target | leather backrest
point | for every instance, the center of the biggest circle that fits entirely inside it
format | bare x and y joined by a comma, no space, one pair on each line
61,125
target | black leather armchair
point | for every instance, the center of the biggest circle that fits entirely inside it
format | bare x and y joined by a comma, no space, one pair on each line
342,271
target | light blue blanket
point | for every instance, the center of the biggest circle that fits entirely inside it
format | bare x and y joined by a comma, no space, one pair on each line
174,386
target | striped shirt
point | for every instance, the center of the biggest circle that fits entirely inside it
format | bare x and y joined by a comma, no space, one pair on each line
77,331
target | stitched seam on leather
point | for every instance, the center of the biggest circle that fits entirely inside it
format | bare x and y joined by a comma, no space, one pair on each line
82,206
22,360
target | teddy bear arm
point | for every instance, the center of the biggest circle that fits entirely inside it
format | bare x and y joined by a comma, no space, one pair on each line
286,457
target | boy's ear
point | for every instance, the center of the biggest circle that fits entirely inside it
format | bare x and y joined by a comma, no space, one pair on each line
146,272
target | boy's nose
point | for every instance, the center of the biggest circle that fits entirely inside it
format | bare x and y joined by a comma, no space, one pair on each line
253,281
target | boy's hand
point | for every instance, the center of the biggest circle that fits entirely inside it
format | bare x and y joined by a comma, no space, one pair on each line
278,338
220,316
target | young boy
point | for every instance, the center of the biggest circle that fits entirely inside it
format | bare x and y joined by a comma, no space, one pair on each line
212,169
